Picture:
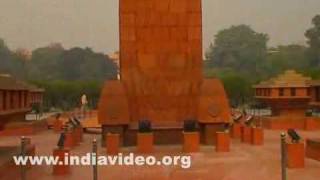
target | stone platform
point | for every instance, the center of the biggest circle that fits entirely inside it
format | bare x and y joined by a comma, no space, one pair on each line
245,161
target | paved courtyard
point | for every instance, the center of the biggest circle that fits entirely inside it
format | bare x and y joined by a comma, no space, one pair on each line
244,162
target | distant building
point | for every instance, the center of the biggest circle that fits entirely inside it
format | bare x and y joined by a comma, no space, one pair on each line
289,96
16,99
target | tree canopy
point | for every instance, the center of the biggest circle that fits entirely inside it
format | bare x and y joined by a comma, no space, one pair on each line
240,57
238,47
313,36
66,74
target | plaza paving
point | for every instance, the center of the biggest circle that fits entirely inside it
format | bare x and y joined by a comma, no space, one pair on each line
244,162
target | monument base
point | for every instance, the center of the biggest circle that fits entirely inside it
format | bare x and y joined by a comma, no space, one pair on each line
170,134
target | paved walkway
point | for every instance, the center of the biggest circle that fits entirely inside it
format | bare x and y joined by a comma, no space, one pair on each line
244,162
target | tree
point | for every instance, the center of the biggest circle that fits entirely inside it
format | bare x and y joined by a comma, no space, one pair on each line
238,88
240,48
55,63
286,57
45,63
6,64
313,36
84,64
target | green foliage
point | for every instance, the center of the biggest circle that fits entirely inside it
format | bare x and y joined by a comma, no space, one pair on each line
67,94
9,62
286,57
55,63
239,56
65,74
313,36
239,48
237,86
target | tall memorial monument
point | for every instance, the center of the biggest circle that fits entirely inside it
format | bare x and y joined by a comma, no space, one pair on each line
161,74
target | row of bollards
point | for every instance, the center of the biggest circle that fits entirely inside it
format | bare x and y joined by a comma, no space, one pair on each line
145,142
248,134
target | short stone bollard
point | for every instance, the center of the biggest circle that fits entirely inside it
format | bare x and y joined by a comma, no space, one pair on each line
69,138
61,168
145,142
222,142
57,126
191,142
246,134
295,155
112,143
257,136
236,130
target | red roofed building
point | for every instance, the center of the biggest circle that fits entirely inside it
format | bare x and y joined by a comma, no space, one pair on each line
16,99
289,96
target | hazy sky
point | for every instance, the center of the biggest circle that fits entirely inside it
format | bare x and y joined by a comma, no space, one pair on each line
94,23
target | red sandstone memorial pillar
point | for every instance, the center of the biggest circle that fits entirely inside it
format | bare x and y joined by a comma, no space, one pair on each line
145,142
61,169
295,155
161,73
246,134
191,142
222,142
257,136
112,143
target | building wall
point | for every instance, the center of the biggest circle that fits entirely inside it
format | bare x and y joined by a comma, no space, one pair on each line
15,100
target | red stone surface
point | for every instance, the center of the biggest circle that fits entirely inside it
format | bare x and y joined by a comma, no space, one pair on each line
257,136
295,155
246,134
247,162
112,143
145,143
59,170
191,142
223,142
